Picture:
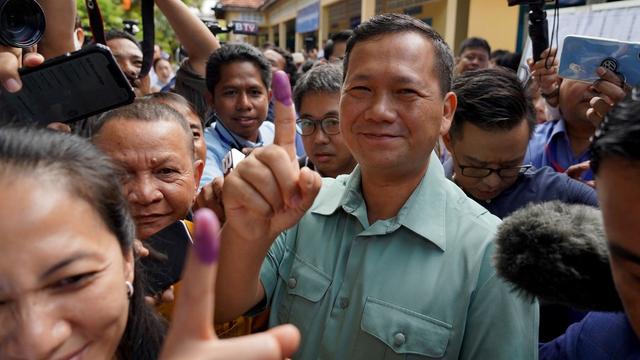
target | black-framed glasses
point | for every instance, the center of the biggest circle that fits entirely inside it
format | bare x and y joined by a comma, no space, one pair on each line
306,126
479,173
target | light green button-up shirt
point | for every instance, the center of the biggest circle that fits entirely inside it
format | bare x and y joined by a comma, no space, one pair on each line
420,285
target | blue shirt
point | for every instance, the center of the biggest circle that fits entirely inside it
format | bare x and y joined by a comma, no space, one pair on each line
220,141
419,285
599,336
536,185
550,146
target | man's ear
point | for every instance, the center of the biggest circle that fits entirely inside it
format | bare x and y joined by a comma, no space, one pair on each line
449,110
198,169
269,95
446,139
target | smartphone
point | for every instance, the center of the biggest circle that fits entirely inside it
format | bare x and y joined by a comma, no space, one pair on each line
71,87
582,55
167,254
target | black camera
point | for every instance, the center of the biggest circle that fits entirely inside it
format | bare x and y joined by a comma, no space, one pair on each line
538,26
22,23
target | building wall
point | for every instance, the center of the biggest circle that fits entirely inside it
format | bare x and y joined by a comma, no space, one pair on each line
435,10
494,21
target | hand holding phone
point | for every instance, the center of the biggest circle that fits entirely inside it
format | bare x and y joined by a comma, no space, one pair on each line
67,88
582,56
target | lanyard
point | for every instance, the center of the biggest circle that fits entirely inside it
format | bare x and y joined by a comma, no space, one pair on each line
550,156
231,143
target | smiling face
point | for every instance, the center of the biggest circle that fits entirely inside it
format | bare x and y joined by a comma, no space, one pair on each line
328,153
392,111
128,56
476,147
161,174
62,275
241,99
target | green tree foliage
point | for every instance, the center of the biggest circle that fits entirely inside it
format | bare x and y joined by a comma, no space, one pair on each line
113,15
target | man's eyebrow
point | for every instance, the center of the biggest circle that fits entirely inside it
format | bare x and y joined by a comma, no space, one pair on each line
66,262
619,251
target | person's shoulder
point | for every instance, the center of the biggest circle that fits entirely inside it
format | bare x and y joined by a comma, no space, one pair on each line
468,213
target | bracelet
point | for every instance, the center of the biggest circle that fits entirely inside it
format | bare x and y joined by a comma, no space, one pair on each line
552,94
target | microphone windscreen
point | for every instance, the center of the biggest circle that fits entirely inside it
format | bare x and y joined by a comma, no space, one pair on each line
558,253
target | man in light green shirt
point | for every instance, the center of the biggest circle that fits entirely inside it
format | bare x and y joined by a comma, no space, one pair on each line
392,261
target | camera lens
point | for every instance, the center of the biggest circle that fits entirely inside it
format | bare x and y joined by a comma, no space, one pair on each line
22,23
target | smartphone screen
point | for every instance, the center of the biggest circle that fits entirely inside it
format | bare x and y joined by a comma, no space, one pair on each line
168,251
72,87
582,55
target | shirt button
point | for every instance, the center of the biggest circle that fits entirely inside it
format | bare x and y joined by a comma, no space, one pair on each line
291,283
399,339
344,302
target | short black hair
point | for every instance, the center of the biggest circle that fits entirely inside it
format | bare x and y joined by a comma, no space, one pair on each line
114,34
289,65
491,99
475,43
618,135
236,52
386,24
509,60
341,36
326,78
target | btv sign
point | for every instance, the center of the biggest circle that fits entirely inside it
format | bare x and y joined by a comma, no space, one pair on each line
245,27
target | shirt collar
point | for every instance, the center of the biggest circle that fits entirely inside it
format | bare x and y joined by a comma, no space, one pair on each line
559,128
230,137
423,213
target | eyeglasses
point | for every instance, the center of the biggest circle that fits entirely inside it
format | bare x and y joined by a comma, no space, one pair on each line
479,173
307,127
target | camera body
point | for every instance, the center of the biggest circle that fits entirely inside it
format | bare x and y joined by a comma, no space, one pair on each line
22,23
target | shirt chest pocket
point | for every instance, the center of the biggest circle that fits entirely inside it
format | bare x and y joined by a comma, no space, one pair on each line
305,287
400,333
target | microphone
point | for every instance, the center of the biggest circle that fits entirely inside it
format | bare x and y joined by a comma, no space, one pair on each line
558,253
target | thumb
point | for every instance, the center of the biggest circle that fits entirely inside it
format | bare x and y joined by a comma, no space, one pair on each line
194,309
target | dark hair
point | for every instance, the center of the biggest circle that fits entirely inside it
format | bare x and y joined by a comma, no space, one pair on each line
618,135
289,65
119,34
499,52
475,43
510,61
236,52
73,163
341,36
384,24
144,110
491,99
175,98
326,78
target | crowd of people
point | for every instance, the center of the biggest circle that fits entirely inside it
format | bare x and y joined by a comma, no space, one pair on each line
359,224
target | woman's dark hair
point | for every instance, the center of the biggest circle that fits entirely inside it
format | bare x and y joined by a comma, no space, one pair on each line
87,173
618,135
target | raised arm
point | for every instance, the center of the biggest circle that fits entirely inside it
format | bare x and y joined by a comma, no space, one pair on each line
193,34
266,194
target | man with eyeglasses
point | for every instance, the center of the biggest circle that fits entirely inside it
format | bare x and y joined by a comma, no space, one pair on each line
317,98
488,141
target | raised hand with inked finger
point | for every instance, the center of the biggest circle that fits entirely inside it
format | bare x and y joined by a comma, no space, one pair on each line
266,194
191,335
